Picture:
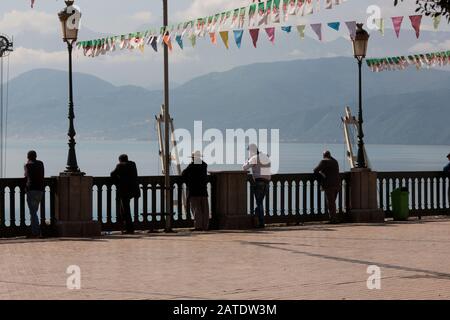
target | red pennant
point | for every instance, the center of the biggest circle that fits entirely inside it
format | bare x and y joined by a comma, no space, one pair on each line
416,22
397,21
254,33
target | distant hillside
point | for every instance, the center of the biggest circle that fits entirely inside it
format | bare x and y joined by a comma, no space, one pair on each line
303,98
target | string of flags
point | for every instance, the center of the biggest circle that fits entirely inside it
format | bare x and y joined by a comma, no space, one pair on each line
138,40
426,60
263,14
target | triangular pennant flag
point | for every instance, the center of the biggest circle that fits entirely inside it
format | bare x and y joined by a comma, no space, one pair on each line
301,31
397,22
317,27
436,22
416,21
167,41
334,25
213,37
238,37
193,39
287,29
224,36
179,40
351,25
254,33
271,34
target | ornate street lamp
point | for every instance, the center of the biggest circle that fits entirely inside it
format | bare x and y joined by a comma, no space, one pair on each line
70,22
360,44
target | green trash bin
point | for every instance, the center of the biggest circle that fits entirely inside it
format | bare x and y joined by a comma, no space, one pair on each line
400,204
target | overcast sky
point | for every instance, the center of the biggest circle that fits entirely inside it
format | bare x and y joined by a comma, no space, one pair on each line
38,43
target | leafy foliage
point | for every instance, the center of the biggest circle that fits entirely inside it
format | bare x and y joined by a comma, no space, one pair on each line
432,8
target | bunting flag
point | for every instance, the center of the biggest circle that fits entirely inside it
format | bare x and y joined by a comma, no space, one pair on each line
351,25
301,30
276,11
254,34
397,22
436,22
317,28
179,40
224,36
212,36
416,21
427,60
154,43
334,25
238,37
263,13
287,29
271,34
258,14
168,42
193,39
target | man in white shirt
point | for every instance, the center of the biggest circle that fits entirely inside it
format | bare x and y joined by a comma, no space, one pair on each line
260,165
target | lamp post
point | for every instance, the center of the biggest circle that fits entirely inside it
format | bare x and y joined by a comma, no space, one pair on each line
360,44
70,22
167,185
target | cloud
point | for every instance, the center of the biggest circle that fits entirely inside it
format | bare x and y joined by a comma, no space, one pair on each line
430,46
15,22
202,8
143,17
34,57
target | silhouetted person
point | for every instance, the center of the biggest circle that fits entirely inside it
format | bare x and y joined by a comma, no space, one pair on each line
196,178
125,177
447,172
260,164
34,175
328,169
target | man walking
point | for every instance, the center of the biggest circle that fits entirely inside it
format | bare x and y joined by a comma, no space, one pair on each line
260,165
125,176
196,177
328,168
34,175
447,173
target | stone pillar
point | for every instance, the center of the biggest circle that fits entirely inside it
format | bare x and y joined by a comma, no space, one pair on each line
230,205
363,194
73,207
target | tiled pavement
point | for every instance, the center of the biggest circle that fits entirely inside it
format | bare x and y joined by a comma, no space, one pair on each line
305,262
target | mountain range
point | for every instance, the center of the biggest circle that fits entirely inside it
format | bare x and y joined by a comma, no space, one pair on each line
303,98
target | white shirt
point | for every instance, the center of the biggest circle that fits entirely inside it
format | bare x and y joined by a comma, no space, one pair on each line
260,165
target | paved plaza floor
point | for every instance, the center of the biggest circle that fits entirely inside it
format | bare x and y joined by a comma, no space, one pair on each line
304,262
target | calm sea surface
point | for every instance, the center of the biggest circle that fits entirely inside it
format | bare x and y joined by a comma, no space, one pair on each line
98,158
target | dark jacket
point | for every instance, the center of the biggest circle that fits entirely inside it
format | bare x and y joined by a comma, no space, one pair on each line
125,176
196,177
34,175
447,170
329,168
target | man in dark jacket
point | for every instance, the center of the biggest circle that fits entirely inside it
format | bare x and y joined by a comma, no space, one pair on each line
196,177
328,168
34,175
125,177
447,172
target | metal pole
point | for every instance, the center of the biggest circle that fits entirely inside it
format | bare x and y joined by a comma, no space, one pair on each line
361,161
168,202
72,165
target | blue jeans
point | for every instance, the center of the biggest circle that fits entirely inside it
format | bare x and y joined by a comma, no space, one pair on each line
260,189
33,200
